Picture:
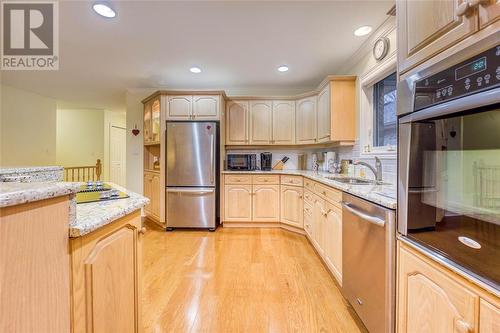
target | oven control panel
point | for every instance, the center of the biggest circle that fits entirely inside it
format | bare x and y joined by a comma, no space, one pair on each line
468,77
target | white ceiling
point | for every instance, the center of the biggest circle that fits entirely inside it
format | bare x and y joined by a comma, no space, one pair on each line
238,45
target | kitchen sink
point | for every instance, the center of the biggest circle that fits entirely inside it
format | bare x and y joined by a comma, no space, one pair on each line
352,181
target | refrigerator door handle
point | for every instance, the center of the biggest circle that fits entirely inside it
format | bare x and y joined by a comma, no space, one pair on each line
190,190
212,144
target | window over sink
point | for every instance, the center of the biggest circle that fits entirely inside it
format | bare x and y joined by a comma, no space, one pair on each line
378,116
384,112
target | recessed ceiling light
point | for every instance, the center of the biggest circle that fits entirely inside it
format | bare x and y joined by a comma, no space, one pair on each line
283,68
195,70
104,10
363,31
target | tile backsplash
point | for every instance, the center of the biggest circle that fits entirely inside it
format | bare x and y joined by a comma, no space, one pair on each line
389,165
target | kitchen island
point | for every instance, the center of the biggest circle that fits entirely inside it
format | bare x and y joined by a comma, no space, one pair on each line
66,266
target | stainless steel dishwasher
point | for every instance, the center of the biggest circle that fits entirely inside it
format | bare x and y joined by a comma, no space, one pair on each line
368,262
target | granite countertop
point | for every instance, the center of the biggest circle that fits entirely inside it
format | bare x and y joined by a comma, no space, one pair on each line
32,174
384,195
16,193
88,217
4,171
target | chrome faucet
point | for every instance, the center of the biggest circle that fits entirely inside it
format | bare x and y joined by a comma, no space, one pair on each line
377,171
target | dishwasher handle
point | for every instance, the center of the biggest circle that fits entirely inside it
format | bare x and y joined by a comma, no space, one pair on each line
372,219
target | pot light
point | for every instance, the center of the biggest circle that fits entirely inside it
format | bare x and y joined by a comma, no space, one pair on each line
283,68
195,70
104,10
363,31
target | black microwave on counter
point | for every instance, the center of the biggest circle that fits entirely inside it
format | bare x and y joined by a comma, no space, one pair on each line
241,162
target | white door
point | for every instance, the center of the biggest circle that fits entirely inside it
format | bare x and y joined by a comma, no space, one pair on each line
117,155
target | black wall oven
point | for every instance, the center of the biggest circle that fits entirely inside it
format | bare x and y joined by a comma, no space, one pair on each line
449,163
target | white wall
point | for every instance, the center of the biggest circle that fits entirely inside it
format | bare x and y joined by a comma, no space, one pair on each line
80,137
135,158
28,128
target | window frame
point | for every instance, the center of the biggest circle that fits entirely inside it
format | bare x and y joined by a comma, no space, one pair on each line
366,123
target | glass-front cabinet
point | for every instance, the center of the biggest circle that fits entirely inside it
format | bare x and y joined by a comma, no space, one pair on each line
152,121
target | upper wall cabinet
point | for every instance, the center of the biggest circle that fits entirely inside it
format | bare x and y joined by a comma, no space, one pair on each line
179,107
206,107
152,121
489,12
426,28
193,107
324,116
306,121
283,120
237,123
260,122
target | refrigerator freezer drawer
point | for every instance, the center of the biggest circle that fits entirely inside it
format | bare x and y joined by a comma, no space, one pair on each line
191,207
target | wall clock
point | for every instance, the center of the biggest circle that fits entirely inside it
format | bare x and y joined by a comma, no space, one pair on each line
380,48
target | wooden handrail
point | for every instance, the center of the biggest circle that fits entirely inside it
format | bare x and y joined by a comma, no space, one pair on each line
83,173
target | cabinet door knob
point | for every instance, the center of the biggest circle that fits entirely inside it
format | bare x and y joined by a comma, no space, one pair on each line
142,230
463,8
475,3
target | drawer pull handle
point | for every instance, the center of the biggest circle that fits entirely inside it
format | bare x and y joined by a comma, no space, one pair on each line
142,231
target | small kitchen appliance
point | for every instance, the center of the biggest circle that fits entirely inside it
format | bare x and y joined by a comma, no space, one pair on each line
241,162
266,161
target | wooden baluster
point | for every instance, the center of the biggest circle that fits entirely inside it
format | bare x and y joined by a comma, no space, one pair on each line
98,169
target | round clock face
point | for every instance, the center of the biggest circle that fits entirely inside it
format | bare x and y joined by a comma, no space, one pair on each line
380,48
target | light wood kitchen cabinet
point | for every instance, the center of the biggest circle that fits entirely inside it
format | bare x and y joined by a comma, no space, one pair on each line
237,123
152,192
308,219
324,115
332,240
266,203
429,300
489,317
283,122
260,122
489,12
106,278
343,109
151,128
35,266
238,203
292,206
318,224
206,107
426,28
179,107
305,126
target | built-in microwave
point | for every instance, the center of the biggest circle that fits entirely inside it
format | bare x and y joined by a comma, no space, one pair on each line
241,162
449,161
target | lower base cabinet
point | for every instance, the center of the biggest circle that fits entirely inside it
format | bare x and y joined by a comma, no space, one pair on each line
152,192
238,203
432,299
266,203
106,278
332,243
292,209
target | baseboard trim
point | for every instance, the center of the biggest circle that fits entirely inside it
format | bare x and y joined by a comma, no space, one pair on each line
263,225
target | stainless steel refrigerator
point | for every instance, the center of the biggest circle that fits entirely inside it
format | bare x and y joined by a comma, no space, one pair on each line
192,174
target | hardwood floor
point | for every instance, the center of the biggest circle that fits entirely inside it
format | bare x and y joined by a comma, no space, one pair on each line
238,280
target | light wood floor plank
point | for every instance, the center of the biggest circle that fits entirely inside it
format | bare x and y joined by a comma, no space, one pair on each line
239,280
